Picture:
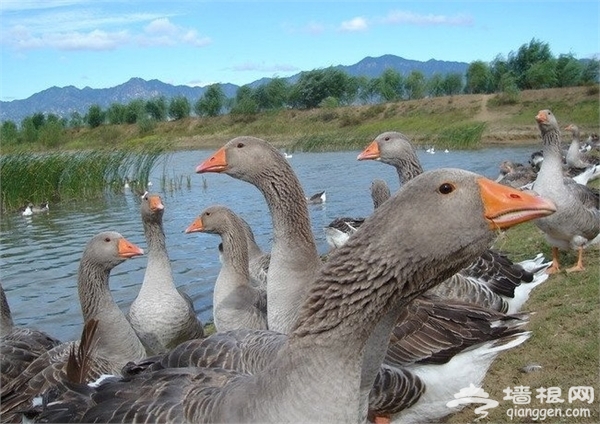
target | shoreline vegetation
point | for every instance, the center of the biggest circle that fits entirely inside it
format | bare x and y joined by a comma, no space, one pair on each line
463,121
129,151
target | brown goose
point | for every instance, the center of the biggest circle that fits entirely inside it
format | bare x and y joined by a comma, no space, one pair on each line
160,315
19,346
236,303
318,373
499,273
118,343
576,223
294,257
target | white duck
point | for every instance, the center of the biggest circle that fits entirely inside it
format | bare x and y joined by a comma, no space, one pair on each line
576,223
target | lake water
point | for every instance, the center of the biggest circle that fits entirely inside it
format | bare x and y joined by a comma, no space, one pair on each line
40,255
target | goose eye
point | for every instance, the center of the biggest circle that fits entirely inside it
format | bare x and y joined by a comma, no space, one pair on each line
107,239
240,145
446,188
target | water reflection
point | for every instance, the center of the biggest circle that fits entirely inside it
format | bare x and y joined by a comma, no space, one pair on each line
40,254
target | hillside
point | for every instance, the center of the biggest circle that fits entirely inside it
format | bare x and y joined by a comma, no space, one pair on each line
426,121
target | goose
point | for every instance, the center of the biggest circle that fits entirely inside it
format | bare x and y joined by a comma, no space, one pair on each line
507,279
258,261
317,198
19,346
576,224
339,229
294,258
118,343
318,373
575,158
160,315
236,303
515,174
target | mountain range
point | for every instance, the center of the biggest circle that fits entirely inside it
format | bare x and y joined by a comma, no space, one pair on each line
63,101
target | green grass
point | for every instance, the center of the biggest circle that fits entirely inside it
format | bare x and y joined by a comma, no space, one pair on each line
35,177
565,334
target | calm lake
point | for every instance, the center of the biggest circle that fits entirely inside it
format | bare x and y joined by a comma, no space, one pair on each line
40,254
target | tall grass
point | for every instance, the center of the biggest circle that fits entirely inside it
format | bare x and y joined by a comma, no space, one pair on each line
32,177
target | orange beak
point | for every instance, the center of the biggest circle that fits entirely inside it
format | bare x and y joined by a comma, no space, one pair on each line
156,203
541,116
370,152
128,250
216,163
195,226
506,206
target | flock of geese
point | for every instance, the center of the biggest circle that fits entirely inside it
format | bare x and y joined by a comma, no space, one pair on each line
409,307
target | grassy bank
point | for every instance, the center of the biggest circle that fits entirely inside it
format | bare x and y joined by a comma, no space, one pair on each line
565,336
455,122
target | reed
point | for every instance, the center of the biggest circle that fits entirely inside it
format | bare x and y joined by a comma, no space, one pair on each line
32,177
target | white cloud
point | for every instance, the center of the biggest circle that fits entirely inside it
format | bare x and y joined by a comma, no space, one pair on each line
94,30
355,24
405,17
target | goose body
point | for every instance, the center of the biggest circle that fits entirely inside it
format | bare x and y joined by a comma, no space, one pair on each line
41,209
575,158
317,198
318,372
160,315
28,210
236,302
294,258
576,224
19,346
118,343
497,273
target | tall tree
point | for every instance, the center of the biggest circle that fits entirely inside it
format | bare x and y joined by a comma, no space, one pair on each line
211,103
415,85
479,78
95,116
179,108
157,108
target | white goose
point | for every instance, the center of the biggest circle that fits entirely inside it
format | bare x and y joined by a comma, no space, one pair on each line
161,316
319,372
236,302
576,223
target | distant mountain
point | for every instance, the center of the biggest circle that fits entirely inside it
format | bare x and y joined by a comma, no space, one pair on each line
63,101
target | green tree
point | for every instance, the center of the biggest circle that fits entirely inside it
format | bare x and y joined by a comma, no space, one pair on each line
38,119
415,85
435,85
28,133
115,114
452,84
135,111
568,71
211,103
179,108
314,86
95,116
157,108
591,72
76,120
528,55
277,92
9,133
540,75
479,78
390,85
52,133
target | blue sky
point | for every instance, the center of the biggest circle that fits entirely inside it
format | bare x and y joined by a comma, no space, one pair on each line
104,43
